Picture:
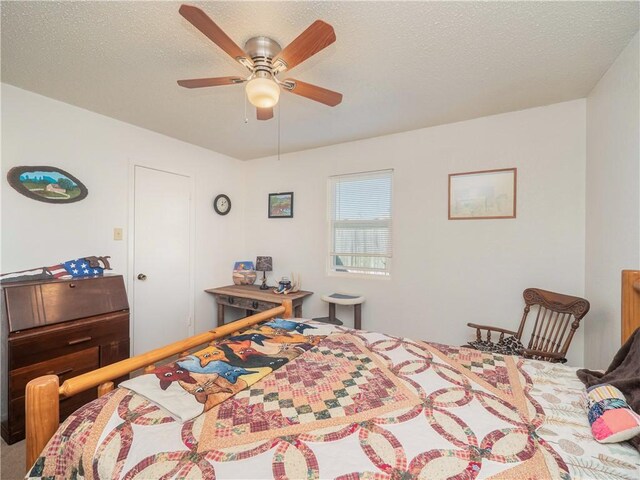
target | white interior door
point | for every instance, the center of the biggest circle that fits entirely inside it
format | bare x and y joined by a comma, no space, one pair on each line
161,284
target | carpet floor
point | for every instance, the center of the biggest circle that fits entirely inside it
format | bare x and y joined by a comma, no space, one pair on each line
12,462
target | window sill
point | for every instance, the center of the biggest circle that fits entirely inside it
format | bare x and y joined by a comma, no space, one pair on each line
365,276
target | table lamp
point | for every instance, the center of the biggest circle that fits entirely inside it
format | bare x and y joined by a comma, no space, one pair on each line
264,264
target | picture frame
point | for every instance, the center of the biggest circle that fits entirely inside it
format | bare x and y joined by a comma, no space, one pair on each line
483,195
281,205
46,183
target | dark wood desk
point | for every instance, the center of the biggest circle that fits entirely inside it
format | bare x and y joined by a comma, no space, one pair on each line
65,326
252,299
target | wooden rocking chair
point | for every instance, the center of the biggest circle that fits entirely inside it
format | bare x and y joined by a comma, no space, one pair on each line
551,337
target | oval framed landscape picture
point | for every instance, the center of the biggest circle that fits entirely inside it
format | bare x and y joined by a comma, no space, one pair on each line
47,184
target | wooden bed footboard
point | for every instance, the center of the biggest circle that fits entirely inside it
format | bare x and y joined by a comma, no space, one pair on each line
43,393
630,302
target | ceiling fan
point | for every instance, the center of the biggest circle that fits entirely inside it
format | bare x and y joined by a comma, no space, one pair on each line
264,58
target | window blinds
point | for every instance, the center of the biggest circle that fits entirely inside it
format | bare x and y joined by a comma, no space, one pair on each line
360,218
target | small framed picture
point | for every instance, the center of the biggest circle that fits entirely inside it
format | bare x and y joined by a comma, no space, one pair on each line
281,205
482,195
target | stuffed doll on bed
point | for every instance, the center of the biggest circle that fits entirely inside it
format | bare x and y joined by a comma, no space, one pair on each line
614,396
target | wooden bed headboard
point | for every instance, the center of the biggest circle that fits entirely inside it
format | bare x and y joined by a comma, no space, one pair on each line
630,302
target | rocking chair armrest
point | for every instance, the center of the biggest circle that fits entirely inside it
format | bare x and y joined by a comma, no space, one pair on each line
493,329
554,357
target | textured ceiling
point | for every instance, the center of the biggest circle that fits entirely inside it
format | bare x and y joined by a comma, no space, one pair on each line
400,65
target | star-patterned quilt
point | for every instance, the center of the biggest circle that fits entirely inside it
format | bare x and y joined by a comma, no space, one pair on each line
358,405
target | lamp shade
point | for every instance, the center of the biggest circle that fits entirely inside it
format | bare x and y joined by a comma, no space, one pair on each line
263,92
264,264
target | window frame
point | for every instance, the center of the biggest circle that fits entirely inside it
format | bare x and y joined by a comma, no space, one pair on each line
330,255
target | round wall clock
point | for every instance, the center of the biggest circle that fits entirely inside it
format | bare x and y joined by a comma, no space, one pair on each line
222,204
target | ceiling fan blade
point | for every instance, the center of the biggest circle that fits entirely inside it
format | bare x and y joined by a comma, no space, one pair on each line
264,113
210,82
313,92
202,22
316,37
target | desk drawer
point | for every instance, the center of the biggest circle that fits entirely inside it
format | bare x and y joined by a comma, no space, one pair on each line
65,367
38,345
245,303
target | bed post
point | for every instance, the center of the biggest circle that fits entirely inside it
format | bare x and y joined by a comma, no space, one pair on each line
630,302
288,309
42,414
104,388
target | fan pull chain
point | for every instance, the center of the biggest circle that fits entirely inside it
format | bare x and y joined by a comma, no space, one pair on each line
246,118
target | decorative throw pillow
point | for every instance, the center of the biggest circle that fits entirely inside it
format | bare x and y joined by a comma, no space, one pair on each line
483,345
509,346
611,418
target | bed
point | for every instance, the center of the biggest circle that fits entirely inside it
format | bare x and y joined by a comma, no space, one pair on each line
357,405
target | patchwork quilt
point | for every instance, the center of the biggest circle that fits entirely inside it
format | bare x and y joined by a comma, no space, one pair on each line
356,405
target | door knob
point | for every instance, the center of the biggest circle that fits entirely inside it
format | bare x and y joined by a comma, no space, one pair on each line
142,276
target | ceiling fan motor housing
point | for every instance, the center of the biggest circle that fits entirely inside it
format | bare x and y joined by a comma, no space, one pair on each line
262,50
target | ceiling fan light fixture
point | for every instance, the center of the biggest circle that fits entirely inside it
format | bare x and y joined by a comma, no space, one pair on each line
265,59
263,92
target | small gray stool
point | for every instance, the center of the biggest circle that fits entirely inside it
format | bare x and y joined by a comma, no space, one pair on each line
343,299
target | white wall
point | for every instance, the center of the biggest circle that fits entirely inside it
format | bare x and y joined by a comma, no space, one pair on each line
613,200
444,273
37,130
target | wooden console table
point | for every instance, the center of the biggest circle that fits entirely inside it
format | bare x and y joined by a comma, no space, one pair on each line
252,299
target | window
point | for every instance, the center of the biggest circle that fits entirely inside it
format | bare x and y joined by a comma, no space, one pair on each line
360,223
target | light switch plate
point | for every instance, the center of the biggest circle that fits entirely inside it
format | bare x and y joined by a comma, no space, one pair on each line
117,234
